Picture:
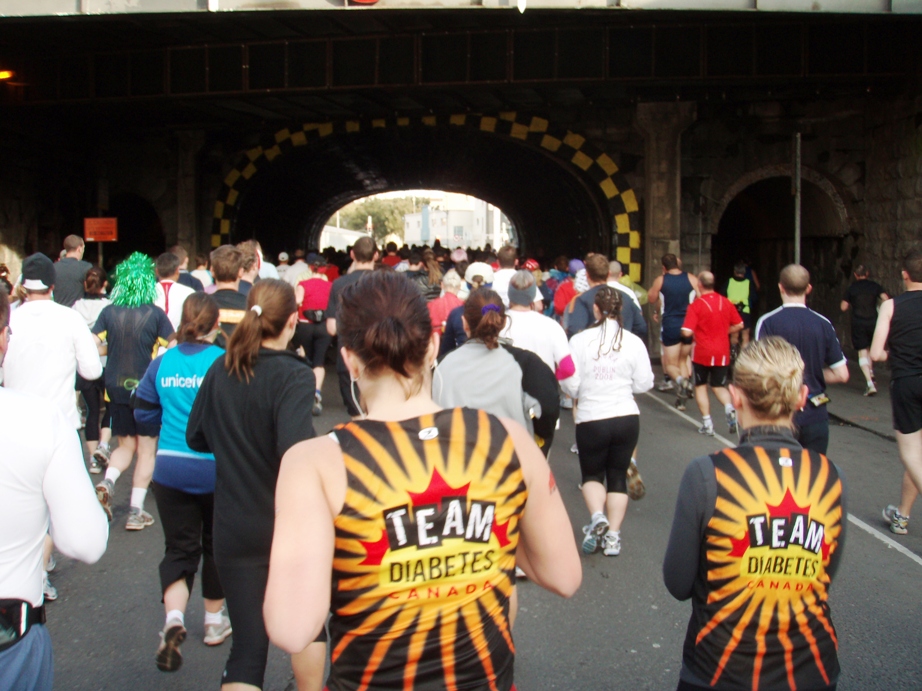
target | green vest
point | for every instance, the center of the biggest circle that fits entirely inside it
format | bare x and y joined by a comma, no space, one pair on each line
738,293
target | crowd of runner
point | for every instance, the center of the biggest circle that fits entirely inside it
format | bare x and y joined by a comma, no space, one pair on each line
401,533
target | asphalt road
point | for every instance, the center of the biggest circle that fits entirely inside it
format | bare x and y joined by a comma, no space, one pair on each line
622,630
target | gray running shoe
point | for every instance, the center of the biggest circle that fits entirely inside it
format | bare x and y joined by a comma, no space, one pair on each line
611,543
216,634
706,429
100,460
871,389
104,492
138,519
665,385
169,656
899,524
731,422
49,591
318,404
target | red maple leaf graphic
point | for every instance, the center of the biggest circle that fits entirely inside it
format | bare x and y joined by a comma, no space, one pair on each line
825,548
437,490
499,530
738,547
375,551
787,507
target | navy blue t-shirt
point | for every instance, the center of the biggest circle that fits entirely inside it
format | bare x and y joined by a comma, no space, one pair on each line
813,336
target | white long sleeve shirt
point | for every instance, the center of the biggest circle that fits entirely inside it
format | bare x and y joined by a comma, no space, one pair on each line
43,483
606,379
49,345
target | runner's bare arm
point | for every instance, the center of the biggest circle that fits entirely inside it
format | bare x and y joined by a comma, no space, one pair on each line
307,499
547,550
881,332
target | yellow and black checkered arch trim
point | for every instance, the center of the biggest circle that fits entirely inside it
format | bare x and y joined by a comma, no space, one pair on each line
562,143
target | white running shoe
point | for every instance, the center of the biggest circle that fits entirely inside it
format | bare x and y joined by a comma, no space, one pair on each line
611,543
216,634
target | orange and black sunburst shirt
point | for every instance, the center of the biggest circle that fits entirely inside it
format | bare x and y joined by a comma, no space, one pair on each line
424,559
756,539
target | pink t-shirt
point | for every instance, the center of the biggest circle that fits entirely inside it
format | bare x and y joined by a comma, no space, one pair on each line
709,318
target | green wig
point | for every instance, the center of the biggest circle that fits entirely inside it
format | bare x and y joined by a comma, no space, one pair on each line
135,282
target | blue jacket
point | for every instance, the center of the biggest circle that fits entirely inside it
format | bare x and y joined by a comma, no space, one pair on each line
165,397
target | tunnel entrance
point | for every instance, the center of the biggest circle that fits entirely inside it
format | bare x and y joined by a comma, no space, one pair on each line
757,226
421,218
560,193
553,209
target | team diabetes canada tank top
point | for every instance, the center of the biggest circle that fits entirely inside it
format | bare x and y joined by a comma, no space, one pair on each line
766,622
425,554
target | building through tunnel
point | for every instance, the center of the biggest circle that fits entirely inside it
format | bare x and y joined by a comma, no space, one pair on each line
757,226
552,205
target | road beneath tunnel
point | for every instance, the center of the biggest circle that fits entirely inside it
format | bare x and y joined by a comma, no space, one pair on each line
622,630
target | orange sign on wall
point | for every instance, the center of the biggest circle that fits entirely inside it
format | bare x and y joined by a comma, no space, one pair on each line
100,229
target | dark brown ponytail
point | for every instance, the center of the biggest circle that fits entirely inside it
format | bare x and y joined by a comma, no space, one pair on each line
485,316
199,317
384,320
269,305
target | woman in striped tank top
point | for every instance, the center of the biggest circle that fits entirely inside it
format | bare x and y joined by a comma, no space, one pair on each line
406,525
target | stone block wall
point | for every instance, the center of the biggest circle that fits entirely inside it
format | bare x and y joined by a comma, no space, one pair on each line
893,195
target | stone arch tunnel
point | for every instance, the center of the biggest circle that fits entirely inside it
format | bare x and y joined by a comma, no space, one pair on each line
562,195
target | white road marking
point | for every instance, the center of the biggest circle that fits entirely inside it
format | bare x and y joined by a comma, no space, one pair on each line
886,539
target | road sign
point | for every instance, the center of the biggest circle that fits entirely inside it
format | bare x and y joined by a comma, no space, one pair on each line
100,229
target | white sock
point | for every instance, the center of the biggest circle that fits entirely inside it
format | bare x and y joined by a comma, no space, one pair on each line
176,615
214,618
707,420
728,409
138,496
113,474
633,460
103,445
680,380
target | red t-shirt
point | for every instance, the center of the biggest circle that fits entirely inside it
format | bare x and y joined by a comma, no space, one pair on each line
316,294
390,260
440,308
709,318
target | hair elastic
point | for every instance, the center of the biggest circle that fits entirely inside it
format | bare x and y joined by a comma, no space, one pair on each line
489,308
258,310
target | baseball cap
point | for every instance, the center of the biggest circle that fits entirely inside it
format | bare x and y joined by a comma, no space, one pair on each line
531,265
479,269
37,272
314,259
283,256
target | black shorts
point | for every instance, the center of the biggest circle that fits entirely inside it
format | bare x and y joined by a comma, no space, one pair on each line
747,320
605,450
123,423
862,333
671,333
906,403
716,376
315,340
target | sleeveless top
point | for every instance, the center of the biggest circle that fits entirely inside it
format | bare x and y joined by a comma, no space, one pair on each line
763,620
905,338
738,292
425,554
676,290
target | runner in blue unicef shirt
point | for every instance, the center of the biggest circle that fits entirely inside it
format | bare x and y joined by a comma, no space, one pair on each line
184,480
813,336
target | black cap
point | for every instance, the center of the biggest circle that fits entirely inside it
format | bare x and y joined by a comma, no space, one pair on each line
37,272
314,259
